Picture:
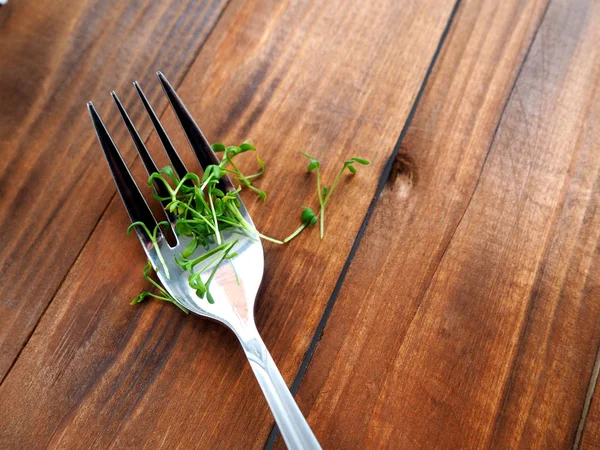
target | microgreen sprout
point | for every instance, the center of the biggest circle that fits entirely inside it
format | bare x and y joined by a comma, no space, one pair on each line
212,257
229,154
323,192
153,238
203,211
308,219
162,295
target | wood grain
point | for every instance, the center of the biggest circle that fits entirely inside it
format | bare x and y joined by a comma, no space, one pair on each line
479,324
334,80
56,55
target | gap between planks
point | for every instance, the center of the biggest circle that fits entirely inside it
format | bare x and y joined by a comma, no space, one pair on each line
588,401
381,186
383,179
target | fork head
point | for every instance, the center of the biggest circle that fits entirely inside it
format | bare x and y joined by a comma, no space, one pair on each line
236,281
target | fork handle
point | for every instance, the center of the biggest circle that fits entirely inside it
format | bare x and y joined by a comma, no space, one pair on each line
292,424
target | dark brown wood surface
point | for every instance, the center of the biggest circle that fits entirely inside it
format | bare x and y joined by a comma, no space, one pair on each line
99,372
483,329
468,316
55,56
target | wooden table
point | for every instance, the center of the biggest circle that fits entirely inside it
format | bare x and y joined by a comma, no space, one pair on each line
455,300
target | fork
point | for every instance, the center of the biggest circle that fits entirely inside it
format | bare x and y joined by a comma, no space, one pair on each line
234,297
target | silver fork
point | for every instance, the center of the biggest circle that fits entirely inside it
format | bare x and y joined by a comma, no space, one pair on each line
234,297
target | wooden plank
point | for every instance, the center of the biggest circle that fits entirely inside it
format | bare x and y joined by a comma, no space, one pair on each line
334,80
479,324
56,55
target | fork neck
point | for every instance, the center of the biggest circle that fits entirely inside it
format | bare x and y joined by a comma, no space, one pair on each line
292,424
250,339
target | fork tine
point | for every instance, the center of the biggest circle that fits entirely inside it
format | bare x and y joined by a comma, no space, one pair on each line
178,165
136,206
149,164
204,152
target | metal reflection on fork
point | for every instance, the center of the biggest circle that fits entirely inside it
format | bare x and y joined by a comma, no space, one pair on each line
234,296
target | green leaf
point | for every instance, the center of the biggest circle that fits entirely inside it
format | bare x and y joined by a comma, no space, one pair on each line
218,147
212,171
312,165
351,169
364,162
183,228
308,217
324,191
246,146
217,193
190,248
140,298
219,207
195,282
168,170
